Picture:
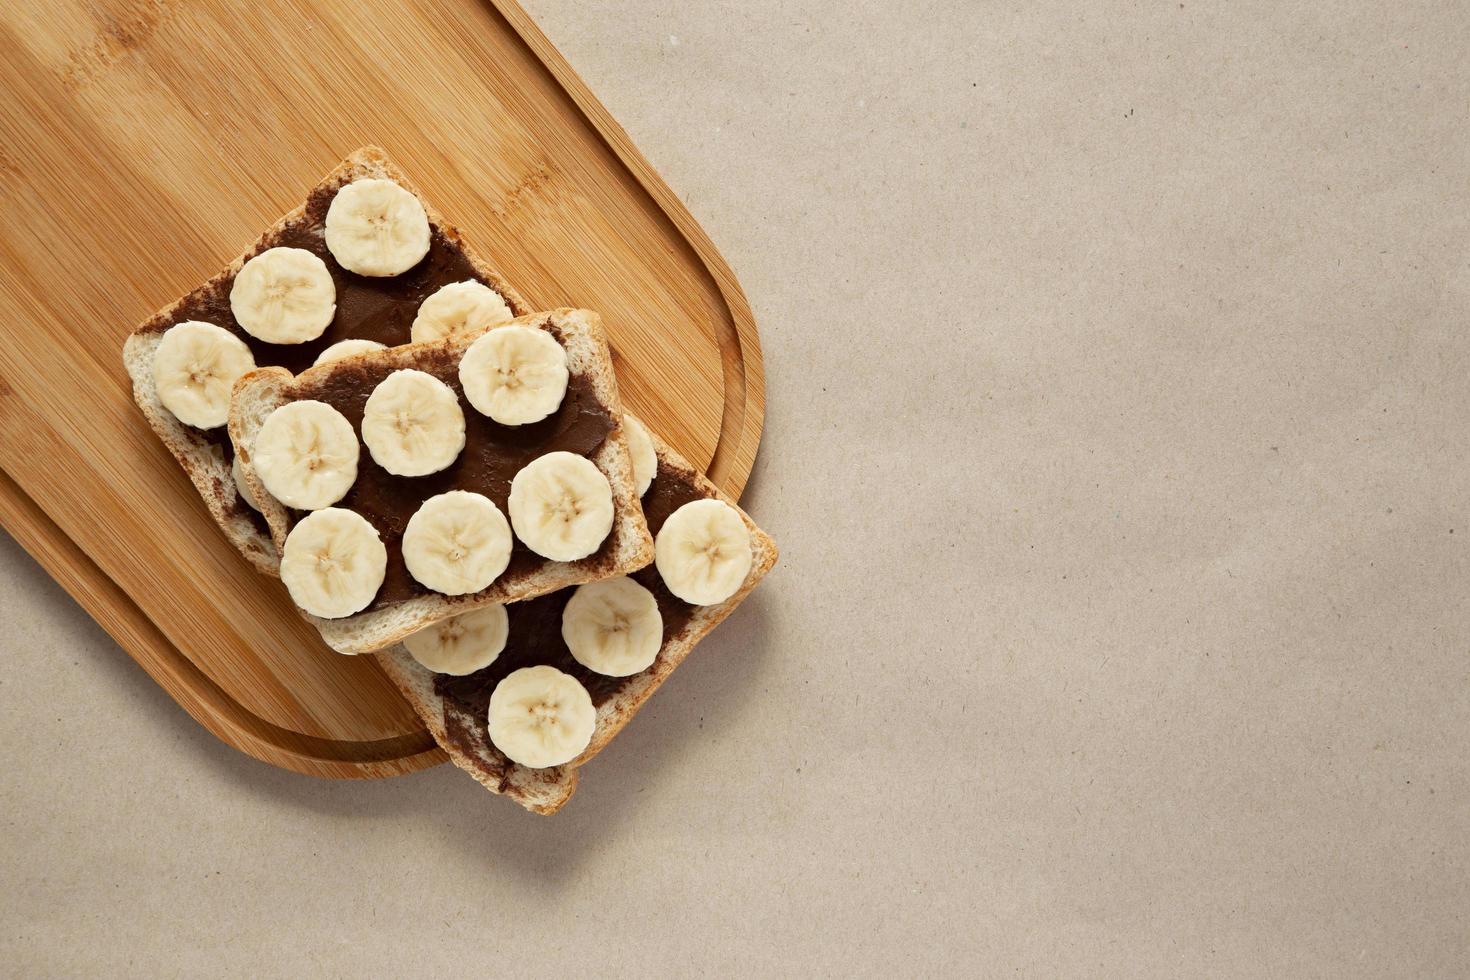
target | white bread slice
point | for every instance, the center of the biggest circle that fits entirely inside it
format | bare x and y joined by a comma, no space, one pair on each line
546,790
629,547
200,458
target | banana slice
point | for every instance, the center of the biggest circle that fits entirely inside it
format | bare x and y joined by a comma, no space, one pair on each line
333,563
541,717
194,367
412,424
346,348
456,542
613,627
306,455
461,644
515,375
458,307
376,228
640,447
703,552
241,487
561,506
284,296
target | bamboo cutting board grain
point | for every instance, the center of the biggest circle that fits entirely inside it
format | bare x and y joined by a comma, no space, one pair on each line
143,144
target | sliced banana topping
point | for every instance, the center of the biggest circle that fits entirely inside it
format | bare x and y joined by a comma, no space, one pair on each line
376,228
461,644
456,542
515,375
412,424
194,367
284,296
306,455
333,563
561,506
457,308
241,487
613,626
541,717
640,447
703,552
346,348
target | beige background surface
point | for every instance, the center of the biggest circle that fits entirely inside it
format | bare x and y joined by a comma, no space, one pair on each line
1116,443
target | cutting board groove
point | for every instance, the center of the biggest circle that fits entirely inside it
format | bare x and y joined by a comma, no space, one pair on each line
142,144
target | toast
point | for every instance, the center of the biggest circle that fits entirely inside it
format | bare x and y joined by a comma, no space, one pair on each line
387,500
466,739
206,455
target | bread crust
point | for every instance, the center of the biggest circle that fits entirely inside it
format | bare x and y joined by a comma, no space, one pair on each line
546,790
261,392
199,457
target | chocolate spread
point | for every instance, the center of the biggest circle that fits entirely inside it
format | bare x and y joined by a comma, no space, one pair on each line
492,456
368,307
535,636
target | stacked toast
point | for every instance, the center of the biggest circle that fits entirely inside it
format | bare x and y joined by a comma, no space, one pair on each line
444,477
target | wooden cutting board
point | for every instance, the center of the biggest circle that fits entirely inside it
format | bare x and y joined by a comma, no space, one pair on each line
143,144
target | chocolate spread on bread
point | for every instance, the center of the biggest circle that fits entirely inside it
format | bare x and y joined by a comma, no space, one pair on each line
368,307
535,635
492,456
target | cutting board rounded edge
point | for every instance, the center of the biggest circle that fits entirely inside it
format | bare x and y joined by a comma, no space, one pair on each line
743,414
204,700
